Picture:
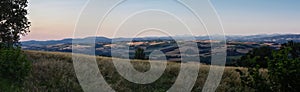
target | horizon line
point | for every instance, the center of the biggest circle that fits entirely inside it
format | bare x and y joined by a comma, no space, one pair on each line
184,35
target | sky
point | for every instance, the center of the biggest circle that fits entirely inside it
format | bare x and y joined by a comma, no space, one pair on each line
56,19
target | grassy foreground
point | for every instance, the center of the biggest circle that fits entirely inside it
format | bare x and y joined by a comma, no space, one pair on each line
53,72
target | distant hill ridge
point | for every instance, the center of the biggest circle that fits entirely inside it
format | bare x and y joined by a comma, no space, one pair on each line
278,38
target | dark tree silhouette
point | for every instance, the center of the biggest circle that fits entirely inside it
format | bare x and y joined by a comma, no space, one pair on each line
14,65
139,53
13,21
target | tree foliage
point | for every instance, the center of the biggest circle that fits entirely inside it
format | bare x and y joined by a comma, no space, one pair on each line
14,66
295,52
260,54
283,71
13,21
284,68
139,54
254,78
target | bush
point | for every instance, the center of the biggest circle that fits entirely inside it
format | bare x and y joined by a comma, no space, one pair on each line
14,67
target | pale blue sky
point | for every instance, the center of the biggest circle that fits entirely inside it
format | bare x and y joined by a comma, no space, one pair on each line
259,16
56,19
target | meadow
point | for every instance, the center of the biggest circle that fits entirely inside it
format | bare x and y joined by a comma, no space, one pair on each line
54,72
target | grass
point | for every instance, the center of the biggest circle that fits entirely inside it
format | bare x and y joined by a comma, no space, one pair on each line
54,72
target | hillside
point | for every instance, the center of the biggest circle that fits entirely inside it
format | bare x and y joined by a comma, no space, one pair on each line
237,45
53,72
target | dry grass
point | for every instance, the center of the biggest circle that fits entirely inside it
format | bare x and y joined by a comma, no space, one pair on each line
53,72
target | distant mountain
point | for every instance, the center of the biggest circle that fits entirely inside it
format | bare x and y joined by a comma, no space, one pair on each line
33,42
277,38
92,39
67,41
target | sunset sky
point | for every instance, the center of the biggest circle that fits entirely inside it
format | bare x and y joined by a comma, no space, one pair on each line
56,19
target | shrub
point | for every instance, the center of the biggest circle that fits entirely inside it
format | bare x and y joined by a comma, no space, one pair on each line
14,67
254,78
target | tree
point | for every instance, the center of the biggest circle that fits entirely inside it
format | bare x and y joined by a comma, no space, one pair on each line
139,53
260,54
284,68
295,46
13,22
283,71
14,65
